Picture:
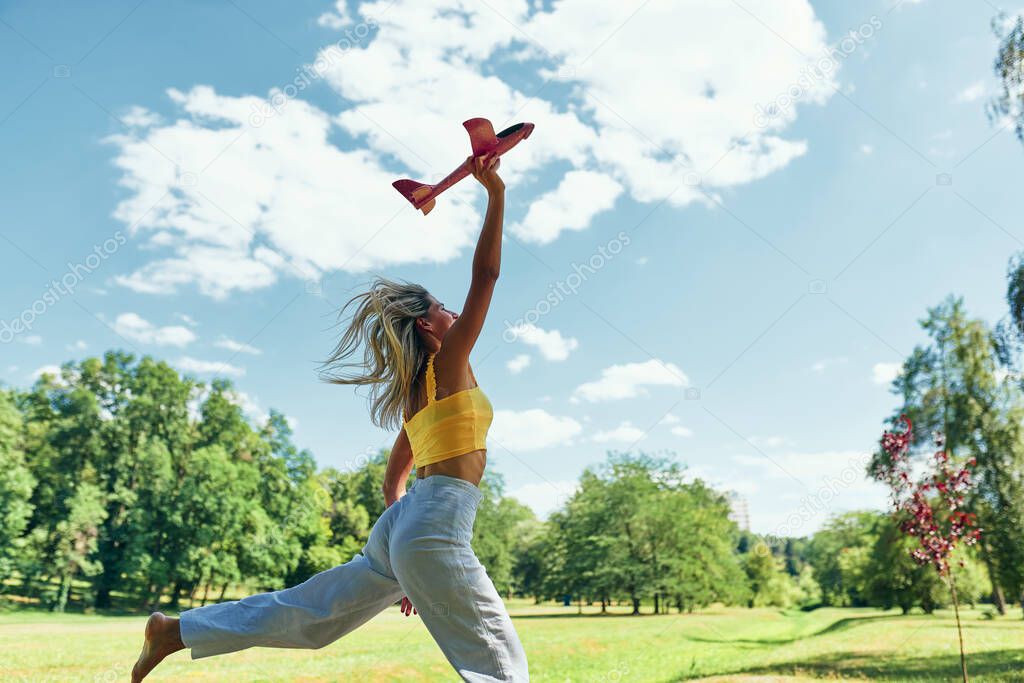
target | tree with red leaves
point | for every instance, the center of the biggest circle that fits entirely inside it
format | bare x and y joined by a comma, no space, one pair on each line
930,507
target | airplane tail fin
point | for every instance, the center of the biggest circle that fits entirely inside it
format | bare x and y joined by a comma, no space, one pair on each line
414,192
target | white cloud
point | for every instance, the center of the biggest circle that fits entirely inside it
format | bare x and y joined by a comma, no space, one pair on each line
336,19
867,150
236,346
670,419
972,93
562,208
222,215
624,433
629,380
233,225
208,367
544,497
518,364
531,429
682,431
215,270
140,117
551,344
686,65
250,406
79,345
134,328
883,373
31,340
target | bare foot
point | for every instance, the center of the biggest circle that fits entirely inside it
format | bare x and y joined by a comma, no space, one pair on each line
163,637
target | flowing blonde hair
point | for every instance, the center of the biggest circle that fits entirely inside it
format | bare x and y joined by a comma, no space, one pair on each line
384,324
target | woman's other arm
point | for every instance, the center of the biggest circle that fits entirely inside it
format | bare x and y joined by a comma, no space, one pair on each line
398,469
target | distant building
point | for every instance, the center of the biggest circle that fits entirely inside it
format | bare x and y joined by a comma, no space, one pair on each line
739,511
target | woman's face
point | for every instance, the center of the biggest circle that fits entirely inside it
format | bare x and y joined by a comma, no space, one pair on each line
438,320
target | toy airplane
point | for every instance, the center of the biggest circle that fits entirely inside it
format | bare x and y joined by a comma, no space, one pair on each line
483,141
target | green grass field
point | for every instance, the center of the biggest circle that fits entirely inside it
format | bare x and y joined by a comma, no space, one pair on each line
716,644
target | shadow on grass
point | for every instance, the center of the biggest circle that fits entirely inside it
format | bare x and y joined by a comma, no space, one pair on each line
834,627
993,665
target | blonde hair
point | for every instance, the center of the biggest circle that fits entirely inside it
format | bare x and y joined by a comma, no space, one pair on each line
384,324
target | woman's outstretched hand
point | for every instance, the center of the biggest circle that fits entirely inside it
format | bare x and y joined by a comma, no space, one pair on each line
485,170
407,607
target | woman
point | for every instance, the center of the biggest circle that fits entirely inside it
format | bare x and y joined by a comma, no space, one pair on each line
419,549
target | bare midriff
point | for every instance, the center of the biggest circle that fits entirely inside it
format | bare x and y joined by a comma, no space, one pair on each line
468,466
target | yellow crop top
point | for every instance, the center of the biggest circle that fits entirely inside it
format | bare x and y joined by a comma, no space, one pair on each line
454,425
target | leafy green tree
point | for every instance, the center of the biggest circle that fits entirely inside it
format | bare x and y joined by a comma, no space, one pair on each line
16,484
809,590
144,406
895,579
1009,67
496,530
839,554
576,555
529,552
770,585
277,433
952,386
702,564
65,550
635,529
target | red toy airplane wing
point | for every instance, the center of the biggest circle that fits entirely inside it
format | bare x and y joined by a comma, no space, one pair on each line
481,136
483,141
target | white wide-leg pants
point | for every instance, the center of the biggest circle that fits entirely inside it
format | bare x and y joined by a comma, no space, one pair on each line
419,547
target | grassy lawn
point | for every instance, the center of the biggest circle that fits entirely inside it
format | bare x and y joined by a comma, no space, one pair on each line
716,645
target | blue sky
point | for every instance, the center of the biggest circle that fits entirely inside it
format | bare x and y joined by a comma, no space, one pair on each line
754,280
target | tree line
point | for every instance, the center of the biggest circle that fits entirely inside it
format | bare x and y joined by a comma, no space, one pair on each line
124,485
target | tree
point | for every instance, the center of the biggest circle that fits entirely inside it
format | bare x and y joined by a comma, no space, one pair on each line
896,580
635,529
952,386
840,554
496,530
16,484
770,585
529,552
1009,66
702,566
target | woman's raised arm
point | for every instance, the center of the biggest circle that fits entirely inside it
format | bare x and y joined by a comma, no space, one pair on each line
462,335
